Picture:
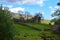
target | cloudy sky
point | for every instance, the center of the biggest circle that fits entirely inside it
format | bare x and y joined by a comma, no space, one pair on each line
46,7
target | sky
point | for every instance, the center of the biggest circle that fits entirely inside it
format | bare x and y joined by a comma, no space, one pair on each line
46,7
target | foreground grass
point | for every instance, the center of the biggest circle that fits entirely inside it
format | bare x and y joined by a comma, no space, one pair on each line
25,33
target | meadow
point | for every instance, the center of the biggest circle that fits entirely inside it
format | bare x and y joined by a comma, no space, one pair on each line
26,33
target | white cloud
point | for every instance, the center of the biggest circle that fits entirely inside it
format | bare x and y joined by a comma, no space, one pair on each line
15,10
38,2
53,9
10,1
43,13
56,7
50,7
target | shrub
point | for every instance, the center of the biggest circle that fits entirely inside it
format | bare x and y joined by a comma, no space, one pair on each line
6,24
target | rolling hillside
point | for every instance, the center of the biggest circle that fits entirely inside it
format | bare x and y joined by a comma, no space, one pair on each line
26,33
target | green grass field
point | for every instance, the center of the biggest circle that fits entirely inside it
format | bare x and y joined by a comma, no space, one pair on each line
38,25
26,33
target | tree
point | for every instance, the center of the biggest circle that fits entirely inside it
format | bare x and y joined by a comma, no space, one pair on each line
56,26
27,14
6,24
38,17
56,14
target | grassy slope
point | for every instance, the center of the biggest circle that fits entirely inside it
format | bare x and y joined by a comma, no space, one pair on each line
38,25
42,26
24,31
31,34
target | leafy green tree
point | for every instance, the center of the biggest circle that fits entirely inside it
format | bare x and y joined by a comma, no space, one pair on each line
56,26
6,24
56,14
